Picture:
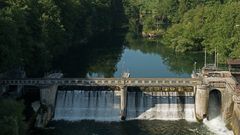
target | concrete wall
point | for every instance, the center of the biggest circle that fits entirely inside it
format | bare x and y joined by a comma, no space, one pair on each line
46,111
227,107
236,119
48,95
3,89
201,101
123,105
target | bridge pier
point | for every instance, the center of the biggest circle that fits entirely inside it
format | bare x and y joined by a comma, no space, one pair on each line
47,97
123,104
19,90
201,103
3,89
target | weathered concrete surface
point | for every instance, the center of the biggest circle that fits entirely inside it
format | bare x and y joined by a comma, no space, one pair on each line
236,118
3,89
201,103
227,107
48,98
123,103
48,95
19,90
36,105
44,115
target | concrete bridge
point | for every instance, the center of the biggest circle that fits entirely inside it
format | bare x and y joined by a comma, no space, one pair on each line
201,86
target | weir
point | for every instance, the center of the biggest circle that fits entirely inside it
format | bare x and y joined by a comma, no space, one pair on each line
136,98
92,105
161,105
126,103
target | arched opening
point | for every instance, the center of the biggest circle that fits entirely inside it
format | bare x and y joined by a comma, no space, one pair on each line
214,104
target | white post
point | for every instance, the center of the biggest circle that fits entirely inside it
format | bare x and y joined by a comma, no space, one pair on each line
123,102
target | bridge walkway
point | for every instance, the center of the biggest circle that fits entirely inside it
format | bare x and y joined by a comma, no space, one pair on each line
104,81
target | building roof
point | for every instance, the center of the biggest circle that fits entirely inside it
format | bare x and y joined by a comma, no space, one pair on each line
233,62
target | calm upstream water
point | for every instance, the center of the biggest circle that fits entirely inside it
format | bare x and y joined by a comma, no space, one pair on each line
144,59
141,64
141,59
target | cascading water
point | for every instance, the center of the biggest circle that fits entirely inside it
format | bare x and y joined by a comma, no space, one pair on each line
105,105
93,105
214,121
161,105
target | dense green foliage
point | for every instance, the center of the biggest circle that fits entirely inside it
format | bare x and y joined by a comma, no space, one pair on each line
34,32
11,117
187,25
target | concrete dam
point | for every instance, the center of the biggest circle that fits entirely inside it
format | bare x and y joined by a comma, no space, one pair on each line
105,104
208,95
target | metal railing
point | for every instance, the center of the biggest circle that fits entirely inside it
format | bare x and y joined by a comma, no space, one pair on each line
103,81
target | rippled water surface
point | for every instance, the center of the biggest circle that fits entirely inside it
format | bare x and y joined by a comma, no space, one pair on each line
134,127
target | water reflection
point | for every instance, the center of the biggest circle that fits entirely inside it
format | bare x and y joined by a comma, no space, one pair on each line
144,58
98,58
178,64
111,55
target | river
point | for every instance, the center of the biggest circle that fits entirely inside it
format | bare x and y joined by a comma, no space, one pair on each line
141,58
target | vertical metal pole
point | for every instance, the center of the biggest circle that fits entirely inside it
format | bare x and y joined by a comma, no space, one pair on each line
195,67
205,58
215,61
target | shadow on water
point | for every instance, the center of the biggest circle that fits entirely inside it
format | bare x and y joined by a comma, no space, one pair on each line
99,56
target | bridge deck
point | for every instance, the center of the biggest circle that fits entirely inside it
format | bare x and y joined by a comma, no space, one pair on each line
104,81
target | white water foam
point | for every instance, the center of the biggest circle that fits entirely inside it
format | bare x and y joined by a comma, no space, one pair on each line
105,106
215,122
169,112
217,126
87,105
160,106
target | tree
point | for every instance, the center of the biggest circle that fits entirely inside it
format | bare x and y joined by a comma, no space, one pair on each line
11,117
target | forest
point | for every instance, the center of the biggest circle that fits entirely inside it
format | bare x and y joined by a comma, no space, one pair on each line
34,33
190,25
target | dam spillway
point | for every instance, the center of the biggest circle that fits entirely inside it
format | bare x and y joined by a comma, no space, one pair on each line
87,105
161,105
104,105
